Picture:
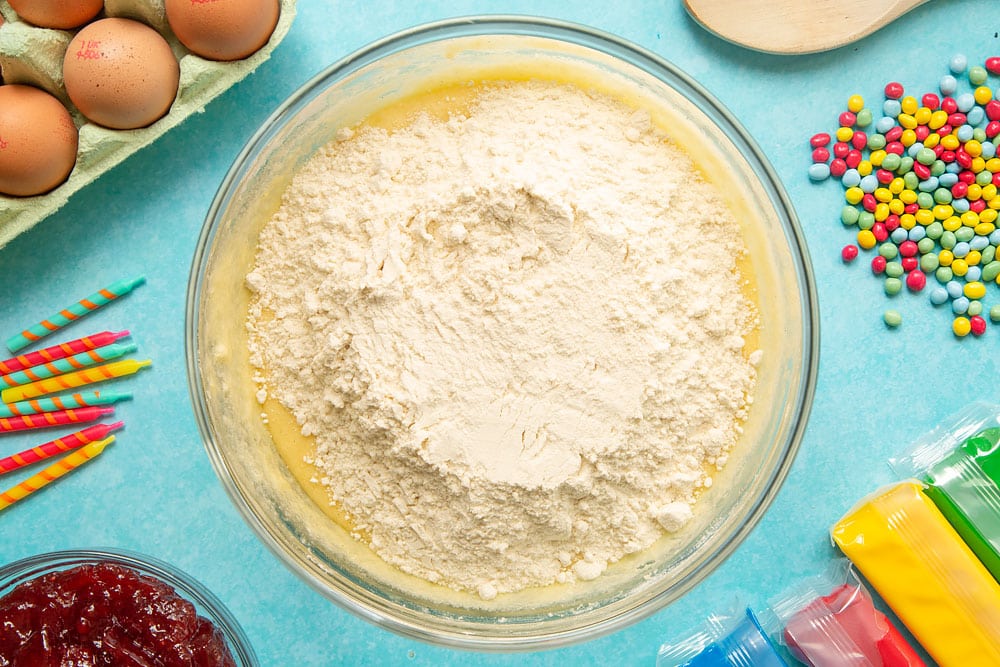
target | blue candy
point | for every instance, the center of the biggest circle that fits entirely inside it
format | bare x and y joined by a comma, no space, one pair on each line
938,296
954,288
948,85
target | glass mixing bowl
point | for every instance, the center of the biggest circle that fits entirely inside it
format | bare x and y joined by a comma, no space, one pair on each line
205,602
277,507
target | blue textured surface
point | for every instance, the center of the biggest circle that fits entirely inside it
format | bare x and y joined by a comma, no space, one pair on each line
155,491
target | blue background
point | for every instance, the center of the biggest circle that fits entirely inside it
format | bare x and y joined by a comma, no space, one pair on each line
155,492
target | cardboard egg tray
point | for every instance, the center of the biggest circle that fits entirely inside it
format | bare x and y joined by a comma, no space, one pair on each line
34,56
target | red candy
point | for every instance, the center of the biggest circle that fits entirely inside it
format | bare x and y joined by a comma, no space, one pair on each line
821,154
959,190
895,147
916,280
993,128
838,167
892,223
869,202
993,109
893,90
853,158
848,119
878,264
908,248
921,132
949,105
880,232
947,156
993,65
841,149
977,206
967,177
938,150
894,134
931,101
859,140
962,158
911,208
909,264
849,253
977,325
922,171
996,179
820,139
884,176
956,119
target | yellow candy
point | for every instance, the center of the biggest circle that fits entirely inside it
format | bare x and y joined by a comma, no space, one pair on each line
882,195
932,140
856,103
924,216
922,116
908,196
978,163
854,195
975,290
909,105
961,326
919,565
959,267
844,134
864,167
881,212
896,207
897,185
907,221
974,192
974,148
908,138
995,203
985,228
973,257
969,219
952,224
866,239
945,257
988,215
950,142
876,157
938,119
907,121
989,191
983,95
941,212
993,165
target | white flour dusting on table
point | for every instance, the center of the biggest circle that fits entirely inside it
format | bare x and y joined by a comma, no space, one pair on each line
516,336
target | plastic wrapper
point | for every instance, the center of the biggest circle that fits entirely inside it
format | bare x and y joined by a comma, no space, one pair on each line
831,621
734,640
914,559
959,464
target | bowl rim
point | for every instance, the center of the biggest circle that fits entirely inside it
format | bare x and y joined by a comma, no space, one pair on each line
635,55
31,567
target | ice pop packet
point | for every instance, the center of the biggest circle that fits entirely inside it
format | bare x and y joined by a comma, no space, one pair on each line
735,640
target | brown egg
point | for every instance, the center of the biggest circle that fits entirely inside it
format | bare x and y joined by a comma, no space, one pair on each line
223,29
38,141
120,73
61,14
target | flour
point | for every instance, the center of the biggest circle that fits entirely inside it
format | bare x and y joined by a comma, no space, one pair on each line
517,336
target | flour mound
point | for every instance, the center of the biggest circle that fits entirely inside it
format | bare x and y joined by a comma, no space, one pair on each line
517,336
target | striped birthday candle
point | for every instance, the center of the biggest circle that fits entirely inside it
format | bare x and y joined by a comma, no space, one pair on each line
68,364
72,313
57,446
50,419
53,472
72,380
60,351
64,402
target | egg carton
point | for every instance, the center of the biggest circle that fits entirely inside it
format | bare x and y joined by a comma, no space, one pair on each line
34,56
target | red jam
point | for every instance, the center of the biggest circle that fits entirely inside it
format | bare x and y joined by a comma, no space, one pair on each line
105,614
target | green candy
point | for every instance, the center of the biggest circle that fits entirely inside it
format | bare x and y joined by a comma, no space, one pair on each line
942,196
866,220
888,250
925,200
988,254
892,318
893,286
975,308
991,271
995,313
944,274
906,163
965,234
890,162
849,215
977,75
984,178
934,230
864,118
948,240
925,246
893,269
929,262
938,168
910,180
926,157
979,134
877,142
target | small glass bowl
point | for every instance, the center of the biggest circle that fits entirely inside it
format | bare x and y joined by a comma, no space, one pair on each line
277,507
205,602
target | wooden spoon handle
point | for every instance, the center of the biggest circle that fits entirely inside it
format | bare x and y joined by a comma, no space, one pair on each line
796,26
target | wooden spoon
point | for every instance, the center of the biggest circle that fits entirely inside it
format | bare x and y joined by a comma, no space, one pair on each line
796,26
